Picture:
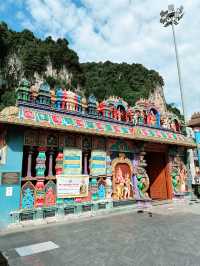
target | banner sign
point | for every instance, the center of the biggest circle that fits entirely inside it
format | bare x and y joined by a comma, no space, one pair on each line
98,163
72,161
72,186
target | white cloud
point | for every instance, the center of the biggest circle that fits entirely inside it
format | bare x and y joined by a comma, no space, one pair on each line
127,31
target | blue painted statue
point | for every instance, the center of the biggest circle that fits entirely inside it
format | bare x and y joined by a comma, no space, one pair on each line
101,192
28,199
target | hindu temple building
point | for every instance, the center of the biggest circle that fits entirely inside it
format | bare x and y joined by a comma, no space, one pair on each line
61,153
194,123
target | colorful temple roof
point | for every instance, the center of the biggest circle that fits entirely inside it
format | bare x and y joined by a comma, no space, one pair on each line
42,106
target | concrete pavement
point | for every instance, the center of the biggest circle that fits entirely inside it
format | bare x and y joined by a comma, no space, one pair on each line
170,237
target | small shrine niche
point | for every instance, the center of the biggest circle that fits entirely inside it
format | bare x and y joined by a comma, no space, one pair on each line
40,162
178,172
27,195
50,193
39,193
101,189
122,170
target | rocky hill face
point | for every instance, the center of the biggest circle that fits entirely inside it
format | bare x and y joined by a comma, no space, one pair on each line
25,56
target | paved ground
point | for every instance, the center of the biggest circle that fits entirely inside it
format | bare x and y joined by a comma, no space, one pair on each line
170,237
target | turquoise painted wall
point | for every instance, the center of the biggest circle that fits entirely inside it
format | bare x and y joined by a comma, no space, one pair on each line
15,138
197,137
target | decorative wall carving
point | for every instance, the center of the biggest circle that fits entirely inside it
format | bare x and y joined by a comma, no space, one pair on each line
122,170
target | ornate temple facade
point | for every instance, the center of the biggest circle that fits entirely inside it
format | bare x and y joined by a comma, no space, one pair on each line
61,153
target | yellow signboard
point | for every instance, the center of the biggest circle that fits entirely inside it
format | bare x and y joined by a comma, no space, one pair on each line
72,186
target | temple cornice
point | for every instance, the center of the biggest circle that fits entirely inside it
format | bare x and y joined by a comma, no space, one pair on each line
32,117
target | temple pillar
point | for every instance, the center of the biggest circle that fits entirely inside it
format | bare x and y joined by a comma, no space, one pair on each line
59,163
85,164
40,162
30,153
50,170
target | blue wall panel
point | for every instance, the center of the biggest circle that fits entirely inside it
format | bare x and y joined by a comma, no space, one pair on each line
15,139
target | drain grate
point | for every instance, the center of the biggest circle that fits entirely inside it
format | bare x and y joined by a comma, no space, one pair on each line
26,216
49,213
68,210
101,206
86,208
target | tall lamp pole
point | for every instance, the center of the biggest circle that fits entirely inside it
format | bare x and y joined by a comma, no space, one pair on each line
172,17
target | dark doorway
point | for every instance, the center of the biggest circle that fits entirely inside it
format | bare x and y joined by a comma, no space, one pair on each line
157,172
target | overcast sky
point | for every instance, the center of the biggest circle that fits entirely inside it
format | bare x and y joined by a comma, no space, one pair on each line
120,31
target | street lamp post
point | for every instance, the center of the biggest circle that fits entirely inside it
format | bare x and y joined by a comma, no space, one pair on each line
172,17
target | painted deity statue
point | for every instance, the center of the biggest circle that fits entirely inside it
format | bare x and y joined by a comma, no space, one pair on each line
151,118
183,176
101,108
119,179
165,122
127,187
129,115
108,187
50,198
142,182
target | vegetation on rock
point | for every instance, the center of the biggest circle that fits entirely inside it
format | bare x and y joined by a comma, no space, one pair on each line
22,55
130,82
